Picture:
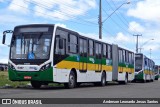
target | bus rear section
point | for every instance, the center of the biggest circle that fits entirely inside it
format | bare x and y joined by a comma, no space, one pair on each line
144,68
125,65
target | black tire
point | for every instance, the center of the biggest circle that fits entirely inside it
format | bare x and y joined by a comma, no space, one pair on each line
103,80
36,84
133,81
125,81
156,78
72,81
144,81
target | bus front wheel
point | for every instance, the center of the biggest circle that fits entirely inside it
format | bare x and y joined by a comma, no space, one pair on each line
72,81
103,80
36,84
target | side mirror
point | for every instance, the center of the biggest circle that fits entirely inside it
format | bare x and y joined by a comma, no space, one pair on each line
4,35
4,38
61,43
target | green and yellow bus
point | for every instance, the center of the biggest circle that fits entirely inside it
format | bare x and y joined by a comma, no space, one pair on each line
45,53
144,68
157,72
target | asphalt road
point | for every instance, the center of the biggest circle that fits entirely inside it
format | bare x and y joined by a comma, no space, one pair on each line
131,90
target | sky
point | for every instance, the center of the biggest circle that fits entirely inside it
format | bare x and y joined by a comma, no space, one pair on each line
139,17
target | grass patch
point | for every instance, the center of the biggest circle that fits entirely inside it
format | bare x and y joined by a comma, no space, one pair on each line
5,80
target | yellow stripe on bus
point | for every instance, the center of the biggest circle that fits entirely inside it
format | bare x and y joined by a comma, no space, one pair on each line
148,72
78,65
89,66
124,69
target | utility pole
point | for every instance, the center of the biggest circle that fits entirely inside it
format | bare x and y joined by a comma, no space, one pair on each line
137,42
100,19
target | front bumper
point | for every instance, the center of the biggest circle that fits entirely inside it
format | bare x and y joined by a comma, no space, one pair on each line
46,75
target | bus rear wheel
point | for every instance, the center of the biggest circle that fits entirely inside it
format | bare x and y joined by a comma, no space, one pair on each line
125,81
36,84
156,79
102,83
72,81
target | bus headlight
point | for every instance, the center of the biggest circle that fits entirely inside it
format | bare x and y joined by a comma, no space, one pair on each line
47,66
11,66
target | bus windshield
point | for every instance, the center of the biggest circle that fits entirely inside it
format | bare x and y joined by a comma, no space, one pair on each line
31,46
138,63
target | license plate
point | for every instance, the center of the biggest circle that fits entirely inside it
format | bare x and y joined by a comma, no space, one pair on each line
27,77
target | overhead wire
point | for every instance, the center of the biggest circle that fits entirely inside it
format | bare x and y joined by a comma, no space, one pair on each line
77,22
119,16
117,23
125,19
48,8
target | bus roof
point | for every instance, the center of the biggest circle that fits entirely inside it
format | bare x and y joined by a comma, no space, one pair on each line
56,25
35,25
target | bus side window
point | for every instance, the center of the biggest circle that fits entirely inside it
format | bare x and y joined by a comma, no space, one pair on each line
104,50
85,47
120,56
133,58
60,35
100,50
124,56
130,58
109,51
149,64
91,48
96,50
146,62
73,44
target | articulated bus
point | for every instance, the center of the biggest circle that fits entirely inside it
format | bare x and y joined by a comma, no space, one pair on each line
157,72
44,53
144,68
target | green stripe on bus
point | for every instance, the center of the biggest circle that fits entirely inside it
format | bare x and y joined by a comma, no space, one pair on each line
90,60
